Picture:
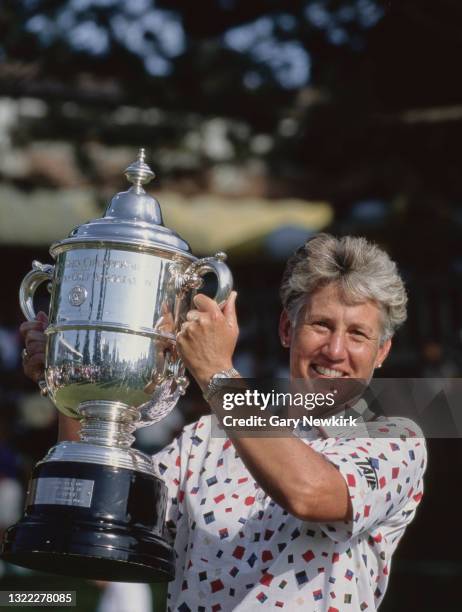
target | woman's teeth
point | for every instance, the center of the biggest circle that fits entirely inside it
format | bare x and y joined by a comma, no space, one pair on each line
327,371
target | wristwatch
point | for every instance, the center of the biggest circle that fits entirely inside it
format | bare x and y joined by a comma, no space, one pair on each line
216,382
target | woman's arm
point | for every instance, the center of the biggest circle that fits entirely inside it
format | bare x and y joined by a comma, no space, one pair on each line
34,365
68,428
298,478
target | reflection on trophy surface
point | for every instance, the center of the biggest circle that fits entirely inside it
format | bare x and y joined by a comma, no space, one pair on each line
120,290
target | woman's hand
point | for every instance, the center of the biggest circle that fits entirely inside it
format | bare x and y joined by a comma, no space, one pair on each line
35,341
207,339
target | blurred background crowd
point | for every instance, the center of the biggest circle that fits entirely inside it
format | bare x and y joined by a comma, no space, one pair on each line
265,122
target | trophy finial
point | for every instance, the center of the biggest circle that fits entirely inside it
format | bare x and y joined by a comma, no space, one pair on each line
139,173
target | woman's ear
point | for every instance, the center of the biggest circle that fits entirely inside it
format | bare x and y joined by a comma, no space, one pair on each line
382,353
285,329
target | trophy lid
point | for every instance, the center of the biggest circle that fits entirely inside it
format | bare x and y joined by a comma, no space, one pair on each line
133,218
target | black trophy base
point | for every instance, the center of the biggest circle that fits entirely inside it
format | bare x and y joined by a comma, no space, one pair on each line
93,521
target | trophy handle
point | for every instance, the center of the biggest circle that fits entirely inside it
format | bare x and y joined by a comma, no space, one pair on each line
191,278
39,274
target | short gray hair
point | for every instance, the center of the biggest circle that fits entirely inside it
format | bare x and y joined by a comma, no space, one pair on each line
361,269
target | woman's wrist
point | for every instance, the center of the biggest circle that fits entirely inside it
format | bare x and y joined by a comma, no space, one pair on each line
218,380
204,377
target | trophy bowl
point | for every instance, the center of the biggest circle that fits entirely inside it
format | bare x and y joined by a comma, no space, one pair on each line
120,290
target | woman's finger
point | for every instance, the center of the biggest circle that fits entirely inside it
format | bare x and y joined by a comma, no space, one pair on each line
28,326
34,347
193,315
35,335
42,317
34,367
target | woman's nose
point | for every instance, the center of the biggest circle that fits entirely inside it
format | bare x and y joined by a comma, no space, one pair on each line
335,347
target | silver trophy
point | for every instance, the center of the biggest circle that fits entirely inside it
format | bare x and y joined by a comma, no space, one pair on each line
120,291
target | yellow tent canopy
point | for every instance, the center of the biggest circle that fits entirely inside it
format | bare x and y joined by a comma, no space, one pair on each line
208,222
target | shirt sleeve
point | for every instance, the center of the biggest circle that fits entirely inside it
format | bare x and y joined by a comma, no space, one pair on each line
384,476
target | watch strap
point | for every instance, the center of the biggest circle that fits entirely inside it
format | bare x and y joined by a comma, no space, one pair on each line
218,380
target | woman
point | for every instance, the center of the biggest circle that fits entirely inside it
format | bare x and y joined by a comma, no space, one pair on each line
285,522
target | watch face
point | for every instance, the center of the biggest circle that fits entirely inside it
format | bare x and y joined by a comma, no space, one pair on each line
224,374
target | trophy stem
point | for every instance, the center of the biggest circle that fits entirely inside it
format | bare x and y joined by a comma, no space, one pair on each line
108,423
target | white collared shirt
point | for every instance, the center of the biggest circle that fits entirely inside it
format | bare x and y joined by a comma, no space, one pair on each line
237,549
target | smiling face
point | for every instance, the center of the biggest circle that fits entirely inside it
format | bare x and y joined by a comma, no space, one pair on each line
332,338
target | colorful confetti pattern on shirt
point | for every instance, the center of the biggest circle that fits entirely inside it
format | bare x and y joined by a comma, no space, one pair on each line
236,549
